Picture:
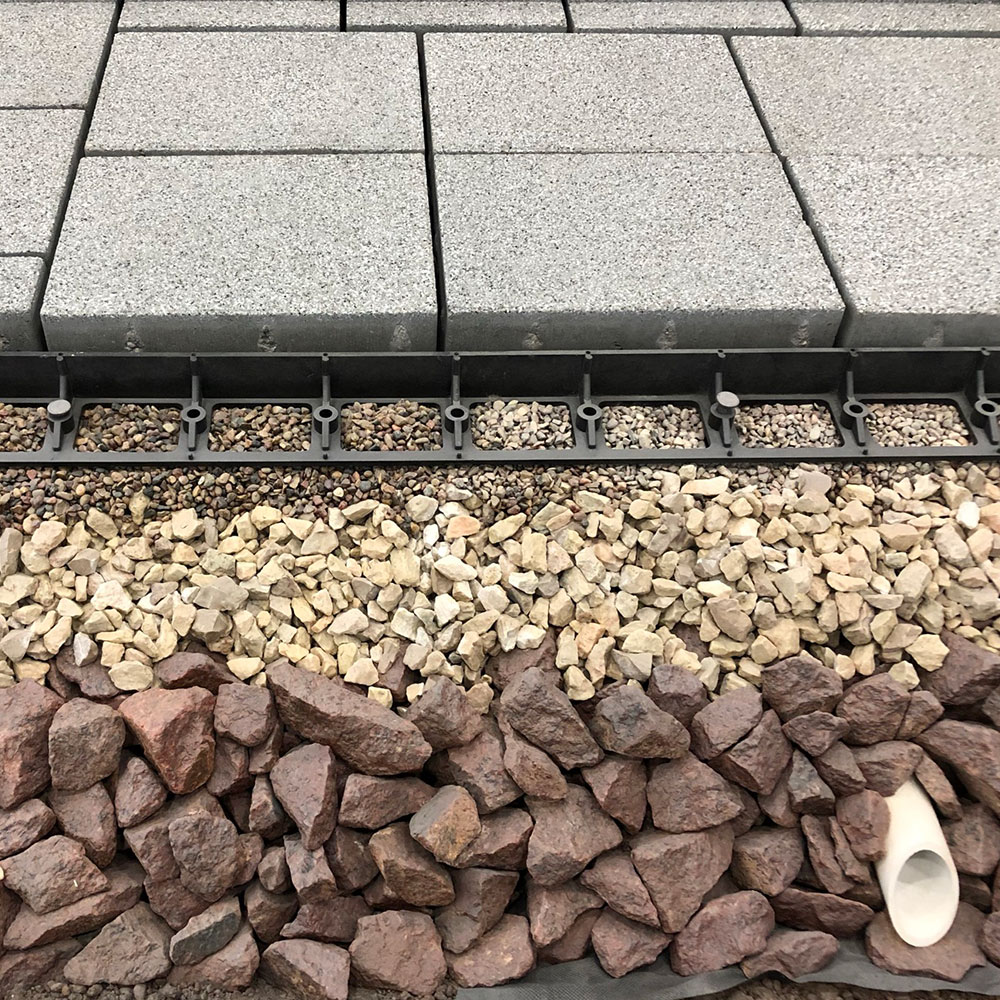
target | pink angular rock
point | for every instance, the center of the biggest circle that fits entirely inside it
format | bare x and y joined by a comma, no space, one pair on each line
874,709
478,767
23,826
686,795
532,769
799,685
88,817
823,856
622,945
366,734
85,744
398,950
725,721
174,902
131,949
864,818
969,672
53,873
149,841
310,872
244,713
886,766
206,850
264,756
91,678
552,910
628,722
205,933
499,956
273,870
349,859
138,792
767,859
820,911
444,715
568,835
504,667
409,870
232,967
619,785
481,897
26,712
305,783
37,965
502,842
807,791
923,710
573,945
447,824
758,760
725,931
973,751
175,730
792,953
194,668
678,691
936,784
308,969
231,770
838,768
268,912
266,815
815,732
974,841
370,803
335,921
614,878
989,938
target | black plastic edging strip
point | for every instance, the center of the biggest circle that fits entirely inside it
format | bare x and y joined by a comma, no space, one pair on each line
793,16
568,14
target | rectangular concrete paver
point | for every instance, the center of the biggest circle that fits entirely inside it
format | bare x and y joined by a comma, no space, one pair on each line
628,251
50,52
512,93
37,149
265,92
20,278
876,95
161,15
872,17
914,241
456,15
757,17
231,253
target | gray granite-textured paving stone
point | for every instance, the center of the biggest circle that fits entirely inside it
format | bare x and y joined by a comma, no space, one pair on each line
162,15
241,252
756,17
50,52
876,95
628,250
266,92
511,93
19,281
456,15
914,240
36,155
873,17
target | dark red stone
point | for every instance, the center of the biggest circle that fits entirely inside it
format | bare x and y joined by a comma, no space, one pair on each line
26,712
799,685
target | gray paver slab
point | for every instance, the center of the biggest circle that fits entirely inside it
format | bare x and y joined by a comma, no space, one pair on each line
759,17
266,92
37,149
914,241
50,52
159,15
876,95
564,251
456,15
503,93
231,253
20,278
899,18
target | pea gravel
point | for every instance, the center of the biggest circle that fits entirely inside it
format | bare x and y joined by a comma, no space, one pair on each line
667,426
510,425
128,427
260,428
401,426
22,428
930,424
787,425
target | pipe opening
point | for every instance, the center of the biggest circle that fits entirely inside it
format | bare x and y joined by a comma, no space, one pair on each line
922,910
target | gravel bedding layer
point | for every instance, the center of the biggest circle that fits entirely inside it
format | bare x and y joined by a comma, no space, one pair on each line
22,428
787,425
401,426
667,426
904,424
129,427
260,428
510,425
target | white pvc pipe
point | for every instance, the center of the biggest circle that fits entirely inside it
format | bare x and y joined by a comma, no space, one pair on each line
917,874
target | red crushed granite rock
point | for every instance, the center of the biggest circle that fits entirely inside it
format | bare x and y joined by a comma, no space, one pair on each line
619,785
989,938
923,711
614,878
838,768
91,678
26,712
777,806
855,869
975,891
410,871
23,826
792,953
129,950
767,859
265,755
36,965
807,791
85,744
232,967
678,691
88,817
886,766
194,668
685,795
725,931
973,751
231,769
622,945
799,685
725,721
370,803
273,870
951,958
481,897
349,859
502,842
543,714
398,950
444,715
446,824
936,784
53,873
505,666
574,944
268,912
678,869
815,732
311,970
502,954
245,713
310,872
991,708
568,835
174,902
821,911
206,849
266,815
874,709
823,855
552,910
532,769
969,672
758,760
176,733
628,722
335,921
367,735
139,793
205,933
478,767
974,841
305,783
749,814
864,818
